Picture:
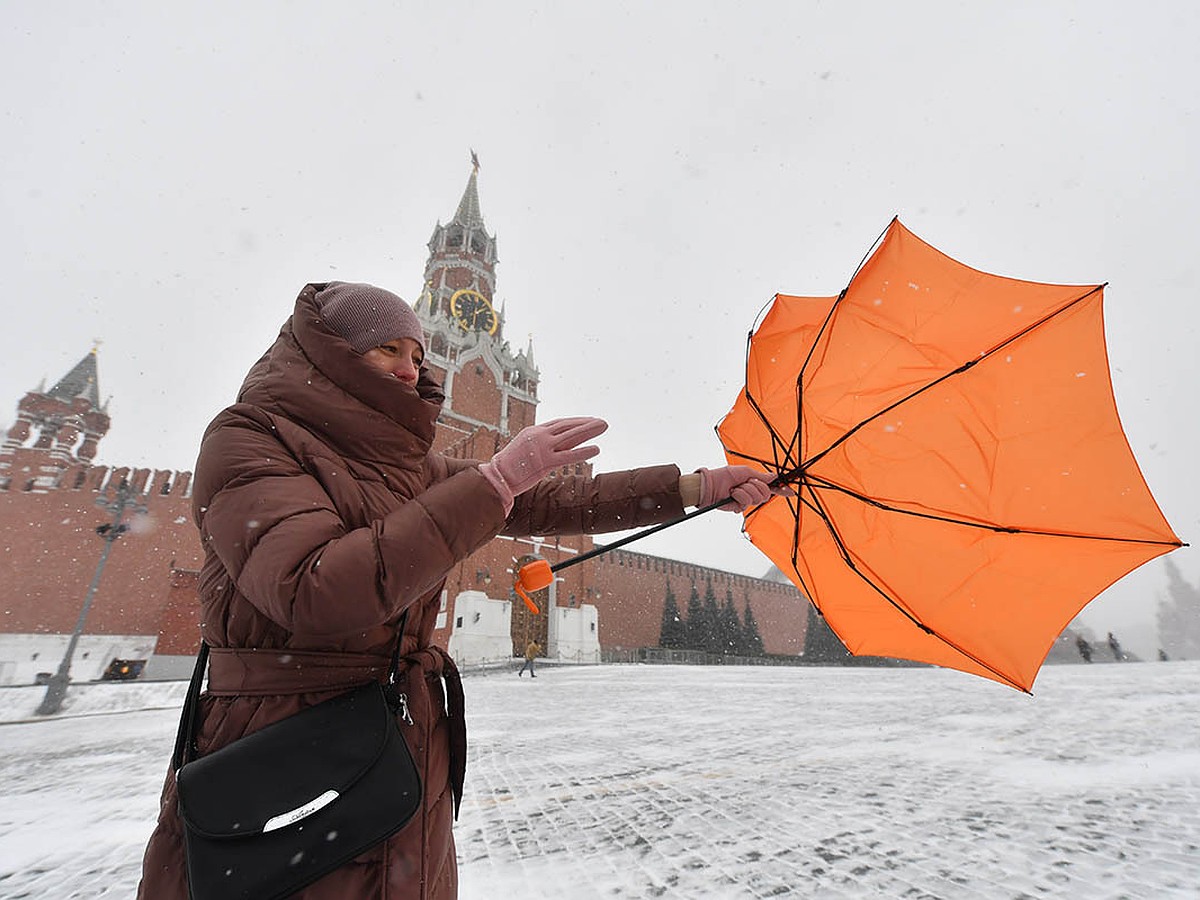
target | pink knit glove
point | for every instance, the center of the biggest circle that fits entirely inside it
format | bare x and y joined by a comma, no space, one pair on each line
537,451
747,486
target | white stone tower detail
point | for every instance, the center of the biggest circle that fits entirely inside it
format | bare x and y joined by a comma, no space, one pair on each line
464,329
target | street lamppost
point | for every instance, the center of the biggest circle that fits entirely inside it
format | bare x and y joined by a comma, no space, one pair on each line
110,532
552,623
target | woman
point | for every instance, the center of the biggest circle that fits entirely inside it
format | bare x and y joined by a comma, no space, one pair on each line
328,524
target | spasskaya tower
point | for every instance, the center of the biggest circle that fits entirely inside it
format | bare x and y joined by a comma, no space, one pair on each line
491,392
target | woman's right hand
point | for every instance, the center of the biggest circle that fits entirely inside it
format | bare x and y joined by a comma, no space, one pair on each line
538,450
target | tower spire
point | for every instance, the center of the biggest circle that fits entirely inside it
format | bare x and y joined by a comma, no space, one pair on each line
81,381
468,213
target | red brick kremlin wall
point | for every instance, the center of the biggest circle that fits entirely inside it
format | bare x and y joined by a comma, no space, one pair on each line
51,550
631,589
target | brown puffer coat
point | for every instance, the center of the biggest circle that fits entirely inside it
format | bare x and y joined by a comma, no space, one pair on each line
325,517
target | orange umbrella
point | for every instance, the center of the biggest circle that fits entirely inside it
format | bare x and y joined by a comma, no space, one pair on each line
963,484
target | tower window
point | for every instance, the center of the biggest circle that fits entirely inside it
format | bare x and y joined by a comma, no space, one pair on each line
454,238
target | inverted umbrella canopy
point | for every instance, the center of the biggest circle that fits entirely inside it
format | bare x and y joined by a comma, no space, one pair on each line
963,484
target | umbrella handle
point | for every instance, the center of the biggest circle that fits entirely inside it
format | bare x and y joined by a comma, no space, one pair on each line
533,607
533,576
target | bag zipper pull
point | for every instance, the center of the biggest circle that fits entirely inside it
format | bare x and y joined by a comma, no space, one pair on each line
402,700
396,700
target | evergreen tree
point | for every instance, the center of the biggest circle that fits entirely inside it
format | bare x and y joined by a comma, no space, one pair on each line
1179,616
752,642
694,626
712,621
733,641
820,643
673,633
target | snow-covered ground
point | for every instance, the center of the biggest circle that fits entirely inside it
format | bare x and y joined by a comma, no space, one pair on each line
642,781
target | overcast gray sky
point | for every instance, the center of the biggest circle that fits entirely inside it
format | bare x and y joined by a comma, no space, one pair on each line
654,173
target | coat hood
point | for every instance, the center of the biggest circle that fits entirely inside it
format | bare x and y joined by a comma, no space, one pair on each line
313,376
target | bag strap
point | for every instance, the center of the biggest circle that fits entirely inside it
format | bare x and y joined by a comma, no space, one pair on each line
185,737
391,679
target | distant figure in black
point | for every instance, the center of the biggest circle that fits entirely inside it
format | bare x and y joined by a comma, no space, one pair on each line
1115,646
1162,655
1085,649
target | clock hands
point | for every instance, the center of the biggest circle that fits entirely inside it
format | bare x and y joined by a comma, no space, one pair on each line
473,311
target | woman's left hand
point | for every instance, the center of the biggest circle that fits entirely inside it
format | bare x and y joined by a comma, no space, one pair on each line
745,486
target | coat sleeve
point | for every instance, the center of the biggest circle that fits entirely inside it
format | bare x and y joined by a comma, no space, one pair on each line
279,536
613,501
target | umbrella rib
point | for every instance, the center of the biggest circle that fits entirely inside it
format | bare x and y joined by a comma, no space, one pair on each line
795,510
791,449
816,340
816,481
963,368
833,308
813,502
815,505
795,558
777,441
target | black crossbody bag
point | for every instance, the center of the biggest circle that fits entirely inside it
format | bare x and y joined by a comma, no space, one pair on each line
274,811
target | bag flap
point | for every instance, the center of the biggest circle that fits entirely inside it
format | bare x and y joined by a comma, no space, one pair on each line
288,770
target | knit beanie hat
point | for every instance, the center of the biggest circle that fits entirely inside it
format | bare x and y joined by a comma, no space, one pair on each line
367,316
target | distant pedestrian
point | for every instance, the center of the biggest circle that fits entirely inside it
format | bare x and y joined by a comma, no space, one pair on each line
532,649
1085,649
1115,646
1162,655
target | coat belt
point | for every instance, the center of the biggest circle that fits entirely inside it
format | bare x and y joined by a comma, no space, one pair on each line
251,673
434,662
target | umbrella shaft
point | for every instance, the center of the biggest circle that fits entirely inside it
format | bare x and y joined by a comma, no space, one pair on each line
783,478
566,564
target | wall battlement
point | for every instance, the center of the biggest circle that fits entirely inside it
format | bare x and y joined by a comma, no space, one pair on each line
31,475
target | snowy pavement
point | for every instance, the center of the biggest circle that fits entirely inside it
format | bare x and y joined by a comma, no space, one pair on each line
643,781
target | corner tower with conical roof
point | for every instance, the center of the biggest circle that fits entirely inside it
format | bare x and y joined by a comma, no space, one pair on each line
491,391
55,429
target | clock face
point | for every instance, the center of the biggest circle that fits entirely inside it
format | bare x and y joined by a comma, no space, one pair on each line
472,311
